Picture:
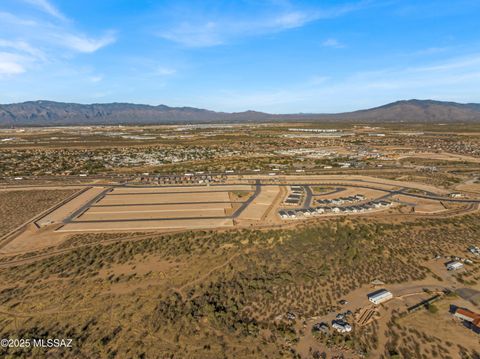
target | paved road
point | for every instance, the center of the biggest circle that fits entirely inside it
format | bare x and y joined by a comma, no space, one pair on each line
86,206
258,189
307,203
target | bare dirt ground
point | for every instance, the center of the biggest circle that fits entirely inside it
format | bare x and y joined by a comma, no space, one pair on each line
129,215
32,239
130,199
166,207
67,209
259,206
368,193
452,330
147,225
469,187
422,205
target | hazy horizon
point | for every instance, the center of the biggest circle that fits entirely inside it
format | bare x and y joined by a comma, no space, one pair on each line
245,110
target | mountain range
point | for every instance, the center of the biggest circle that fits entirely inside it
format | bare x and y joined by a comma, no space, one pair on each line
49,113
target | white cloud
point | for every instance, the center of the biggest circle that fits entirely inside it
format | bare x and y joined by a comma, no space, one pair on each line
48,8
164,71
459,63
213,33
10,64
332,43
22,46
82,43
199,35
17,57
208,30
37,41
291,20
10,68
431,51
96,78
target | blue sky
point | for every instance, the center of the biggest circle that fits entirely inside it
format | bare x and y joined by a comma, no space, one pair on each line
277,56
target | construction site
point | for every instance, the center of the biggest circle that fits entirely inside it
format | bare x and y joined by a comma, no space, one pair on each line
242,201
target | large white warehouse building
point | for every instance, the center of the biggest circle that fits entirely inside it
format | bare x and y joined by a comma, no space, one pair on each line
380,296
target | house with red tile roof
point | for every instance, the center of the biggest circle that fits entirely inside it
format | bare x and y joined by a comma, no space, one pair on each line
470,319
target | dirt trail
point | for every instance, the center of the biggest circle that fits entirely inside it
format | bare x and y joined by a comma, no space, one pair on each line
44,312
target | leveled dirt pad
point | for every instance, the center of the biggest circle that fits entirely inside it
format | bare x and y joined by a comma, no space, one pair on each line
131,199
173,224
164,207
370,194
260,205
128,215
70,207
155,208
421,205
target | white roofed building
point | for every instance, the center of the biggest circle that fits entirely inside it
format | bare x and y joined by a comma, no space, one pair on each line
453,265
380,296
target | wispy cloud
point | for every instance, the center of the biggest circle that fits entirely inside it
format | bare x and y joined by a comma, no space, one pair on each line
82,43
332,43
454,78
9,18
194,35
431,51
164,71
48,8
213,29
22,46
31,38
220,31
46,34
289,20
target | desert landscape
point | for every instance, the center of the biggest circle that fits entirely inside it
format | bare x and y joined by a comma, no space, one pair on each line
248,261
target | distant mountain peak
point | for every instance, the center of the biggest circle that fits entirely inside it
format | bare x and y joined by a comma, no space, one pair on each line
51,113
